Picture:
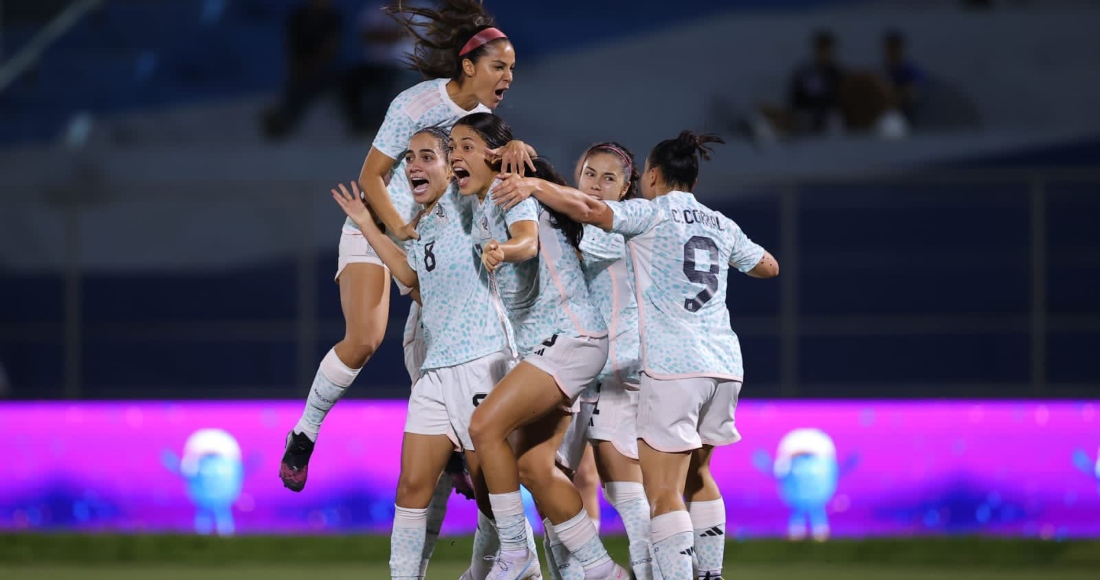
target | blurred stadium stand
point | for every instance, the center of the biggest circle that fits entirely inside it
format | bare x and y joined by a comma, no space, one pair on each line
179,256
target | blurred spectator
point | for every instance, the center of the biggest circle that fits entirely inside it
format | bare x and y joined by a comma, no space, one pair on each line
380,74
867,104
904,76
312,51
812,98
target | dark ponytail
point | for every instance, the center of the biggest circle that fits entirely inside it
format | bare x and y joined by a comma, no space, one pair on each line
678,159
441,33
573,230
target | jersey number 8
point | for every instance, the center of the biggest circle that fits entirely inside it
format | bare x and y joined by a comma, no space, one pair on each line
429,257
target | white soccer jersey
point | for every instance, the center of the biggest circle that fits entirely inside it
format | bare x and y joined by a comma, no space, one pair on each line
517,283
460,314
423,105
609,272
682,253
562,304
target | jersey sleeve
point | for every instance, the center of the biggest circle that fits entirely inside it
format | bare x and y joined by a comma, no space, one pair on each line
634,217
746,253
526,210
598,245
397,129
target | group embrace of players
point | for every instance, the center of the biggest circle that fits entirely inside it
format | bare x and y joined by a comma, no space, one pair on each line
546,318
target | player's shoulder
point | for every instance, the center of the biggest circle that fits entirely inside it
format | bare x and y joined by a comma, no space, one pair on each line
419,99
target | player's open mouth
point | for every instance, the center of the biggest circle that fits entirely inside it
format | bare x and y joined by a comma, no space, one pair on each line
500,94
419,185
462,176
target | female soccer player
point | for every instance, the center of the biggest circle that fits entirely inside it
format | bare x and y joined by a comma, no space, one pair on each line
469,62
468,340
691,358
564,344
607,171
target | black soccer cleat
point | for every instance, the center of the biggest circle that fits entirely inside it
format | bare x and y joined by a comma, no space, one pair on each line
295,466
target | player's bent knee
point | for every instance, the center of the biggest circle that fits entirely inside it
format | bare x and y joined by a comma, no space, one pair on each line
415,491
665,501
481,427
535,473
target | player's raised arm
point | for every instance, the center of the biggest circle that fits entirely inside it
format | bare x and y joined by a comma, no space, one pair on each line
390,253
567,200
372,179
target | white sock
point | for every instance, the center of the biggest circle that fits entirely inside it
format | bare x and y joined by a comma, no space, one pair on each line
437,510
549,542
708,518
331,382
407,542
530,533
580,537
563,566
511,522
486,544
629,500
673,544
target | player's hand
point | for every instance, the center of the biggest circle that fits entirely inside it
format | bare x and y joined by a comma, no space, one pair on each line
514,157
353,205
406,232
492,256
513,189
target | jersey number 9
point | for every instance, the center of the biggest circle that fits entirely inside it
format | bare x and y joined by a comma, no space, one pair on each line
708,278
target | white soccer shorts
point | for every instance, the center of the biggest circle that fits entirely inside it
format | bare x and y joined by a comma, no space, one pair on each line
571,450
355,249
615,418
685,414
444,399
574,362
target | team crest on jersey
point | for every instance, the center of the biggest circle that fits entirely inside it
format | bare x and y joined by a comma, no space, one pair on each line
439,212
485,227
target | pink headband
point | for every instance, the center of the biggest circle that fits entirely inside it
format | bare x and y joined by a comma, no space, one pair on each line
626,159
481,39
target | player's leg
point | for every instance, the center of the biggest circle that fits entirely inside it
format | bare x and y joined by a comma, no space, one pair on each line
563,566
425,450
437,511
525,394
717,427
614,438
545,382
470,388
364,298
708,514
487,538
668,413
415,351
587,481
423,458
538,447
624,490
572,455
